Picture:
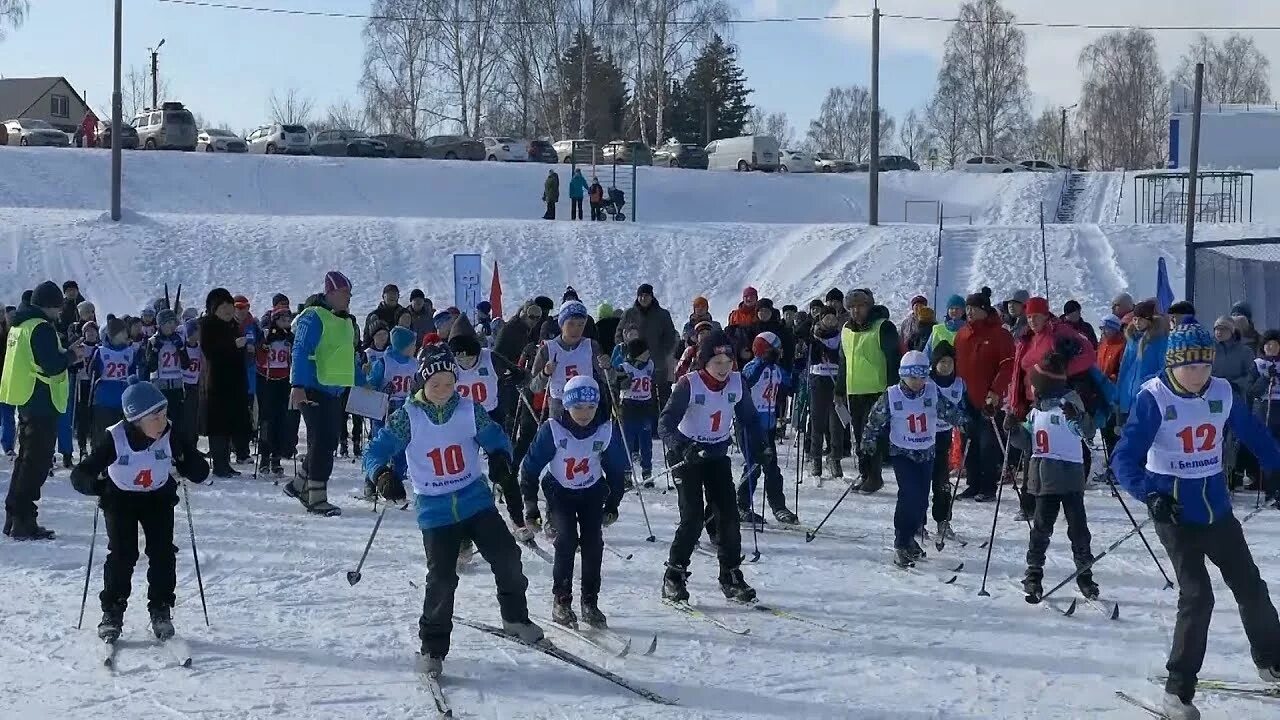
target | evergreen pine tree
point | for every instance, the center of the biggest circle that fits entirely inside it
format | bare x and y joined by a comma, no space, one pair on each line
605,95
715,95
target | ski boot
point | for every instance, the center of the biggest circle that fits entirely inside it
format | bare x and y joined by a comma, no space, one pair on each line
646,479
111,625
747,515
1088,587
816,470
1174,708
984,497
591,614
276,468
674,587
1032,585
916,552
66,461
833,465
430,665
735,587
264,465
162,623
562,612
8,525
870,485
526,632
1269,674
785,516
24,529
342,450
902,558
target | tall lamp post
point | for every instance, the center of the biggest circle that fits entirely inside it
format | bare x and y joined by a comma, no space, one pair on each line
155,74
1062,142
116,122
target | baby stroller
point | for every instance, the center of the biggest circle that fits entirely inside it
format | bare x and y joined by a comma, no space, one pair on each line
613,204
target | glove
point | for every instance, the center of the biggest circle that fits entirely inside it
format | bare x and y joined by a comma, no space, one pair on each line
1164,509
499,466
389,487
1011,422
610,511
532,516
518,376
693,454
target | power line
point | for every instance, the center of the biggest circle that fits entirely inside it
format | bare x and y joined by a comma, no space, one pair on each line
1083,26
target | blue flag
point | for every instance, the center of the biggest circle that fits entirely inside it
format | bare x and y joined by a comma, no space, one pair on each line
1164,291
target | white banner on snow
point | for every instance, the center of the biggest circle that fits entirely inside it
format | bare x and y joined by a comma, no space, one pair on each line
468,283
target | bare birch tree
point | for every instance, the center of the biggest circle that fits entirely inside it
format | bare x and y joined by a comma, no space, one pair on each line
1235,70
291,108
1124,100
986,56
13,13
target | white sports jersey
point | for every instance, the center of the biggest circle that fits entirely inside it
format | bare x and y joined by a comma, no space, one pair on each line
765,392
1053,438
371,354
83,372
116,364
169,361
191,373
576,464
397,375
145,471
278,354
955,394
1264,369
709,417
480,383
639,381
1189,441
569,363
443,458
913,421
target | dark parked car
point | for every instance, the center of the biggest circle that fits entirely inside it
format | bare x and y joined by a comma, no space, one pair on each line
401,146
350,143
453,147
682,156
620,152
128,136
897,162
542,151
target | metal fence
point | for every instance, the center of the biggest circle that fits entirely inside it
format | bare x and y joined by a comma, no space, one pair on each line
1225,272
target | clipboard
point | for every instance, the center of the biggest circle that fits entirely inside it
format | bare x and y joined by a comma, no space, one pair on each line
368,403
842,412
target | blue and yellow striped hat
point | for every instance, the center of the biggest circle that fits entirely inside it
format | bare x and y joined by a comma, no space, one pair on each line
1189,344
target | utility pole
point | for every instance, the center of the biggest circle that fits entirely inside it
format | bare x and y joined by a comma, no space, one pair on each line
1062,142
873,166
1192,176
155,74
116,109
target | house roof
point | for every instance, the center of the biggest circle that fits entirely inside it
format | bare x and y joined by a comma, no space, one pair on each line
18,95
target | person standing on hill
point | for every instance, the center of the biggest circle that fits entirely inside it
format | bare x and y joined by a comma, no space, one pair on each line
577,189
869,359
551,194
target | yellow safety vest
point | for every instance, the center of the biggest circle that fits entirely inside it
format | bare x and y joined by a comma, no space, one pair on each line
335,354
941,333
864,361
18,383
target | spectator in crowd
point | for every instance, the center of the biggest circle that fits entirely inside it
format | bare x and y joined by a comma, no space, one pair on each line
551,194
577,189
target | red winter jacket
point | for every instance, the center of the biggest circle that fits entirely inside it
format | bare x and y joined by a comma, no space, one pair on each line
1031,350
984,358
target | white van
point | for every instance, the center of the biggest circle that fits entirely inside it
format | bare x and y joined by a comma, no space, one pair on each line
750,152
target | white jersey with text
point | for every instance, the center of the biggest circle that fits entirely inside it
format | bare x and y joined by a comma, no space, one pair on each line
577,464
1052,437
444,458
954,393
568,364
913,420
398,373
1189,441
709,417
639,384
195,360
765,392
139,471
480,383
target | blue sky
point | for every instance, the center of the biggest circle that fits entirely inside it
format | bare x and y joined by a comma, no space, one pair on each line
224,64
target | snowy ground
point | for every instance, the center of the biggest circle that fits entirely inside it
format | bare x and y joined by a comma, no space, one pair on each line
291,639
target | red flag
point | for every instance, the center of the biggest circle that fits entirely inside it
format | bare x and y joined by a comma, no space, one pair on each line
495,294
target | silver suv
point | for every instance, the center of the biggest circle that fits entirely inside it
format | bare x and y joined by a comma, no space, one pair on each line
169,128
279,139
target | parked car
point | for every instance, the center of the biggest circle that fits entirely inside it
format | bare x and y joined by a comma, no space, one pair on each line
216,140
988,164
682,155
897,162
795,161
827,162
452,147
505,149
542,151
280,139
625,152
171,127
586,151
749,152
349,143
400,146
1040,166
30,131
128,135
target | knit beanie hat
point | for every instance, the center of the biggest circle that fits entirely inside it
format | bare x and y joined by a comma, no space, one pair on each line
546,303
1145,309
1035,306
47,295
484,307
750,294
141,399
85,328
765,342
1242,308
280,300
1189,344
190,313
604,310
853,298
165,317
1112,323
436,359
919,300
715,343
701,303
417,294
115,326
789,308
955,301
1020,296
570,294
644,289
1226,322
150,312
636,348
70,284
1070,306
580,390
86,307
943,349
401,338
441,318
914,364
335,281
571,309
834,295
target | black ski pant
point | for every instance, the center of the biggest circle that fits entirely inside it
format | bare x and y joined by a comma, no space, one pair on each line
191,411
1223,544
942,476
868,465
575,208
103,418
707,497
37,437
824,424
982,467
774,494
177,411
240,442
323,417
508,482
526,431
274,421
357,425
84,415
579,521
442,545
550,214
123,513
1044,515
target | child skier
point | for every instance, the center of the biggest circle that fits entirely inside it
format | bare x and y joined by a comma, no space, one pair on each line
1266,388
696,426
166,357
442,435
130,474
1170,457
147,324
114,363
586,460
393,374
569,355
768,384
910,411
1056,474
277,424
84,388
639,407
952,388
191,380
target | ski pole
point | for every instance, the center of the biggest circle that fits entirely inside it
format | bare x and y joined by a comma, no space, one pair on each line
88,568
810,535
634,484
951,501
1106,456
995,516
195,556
755,526
1004,448
1257,503
617,552
1137,529
799,467
353,576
